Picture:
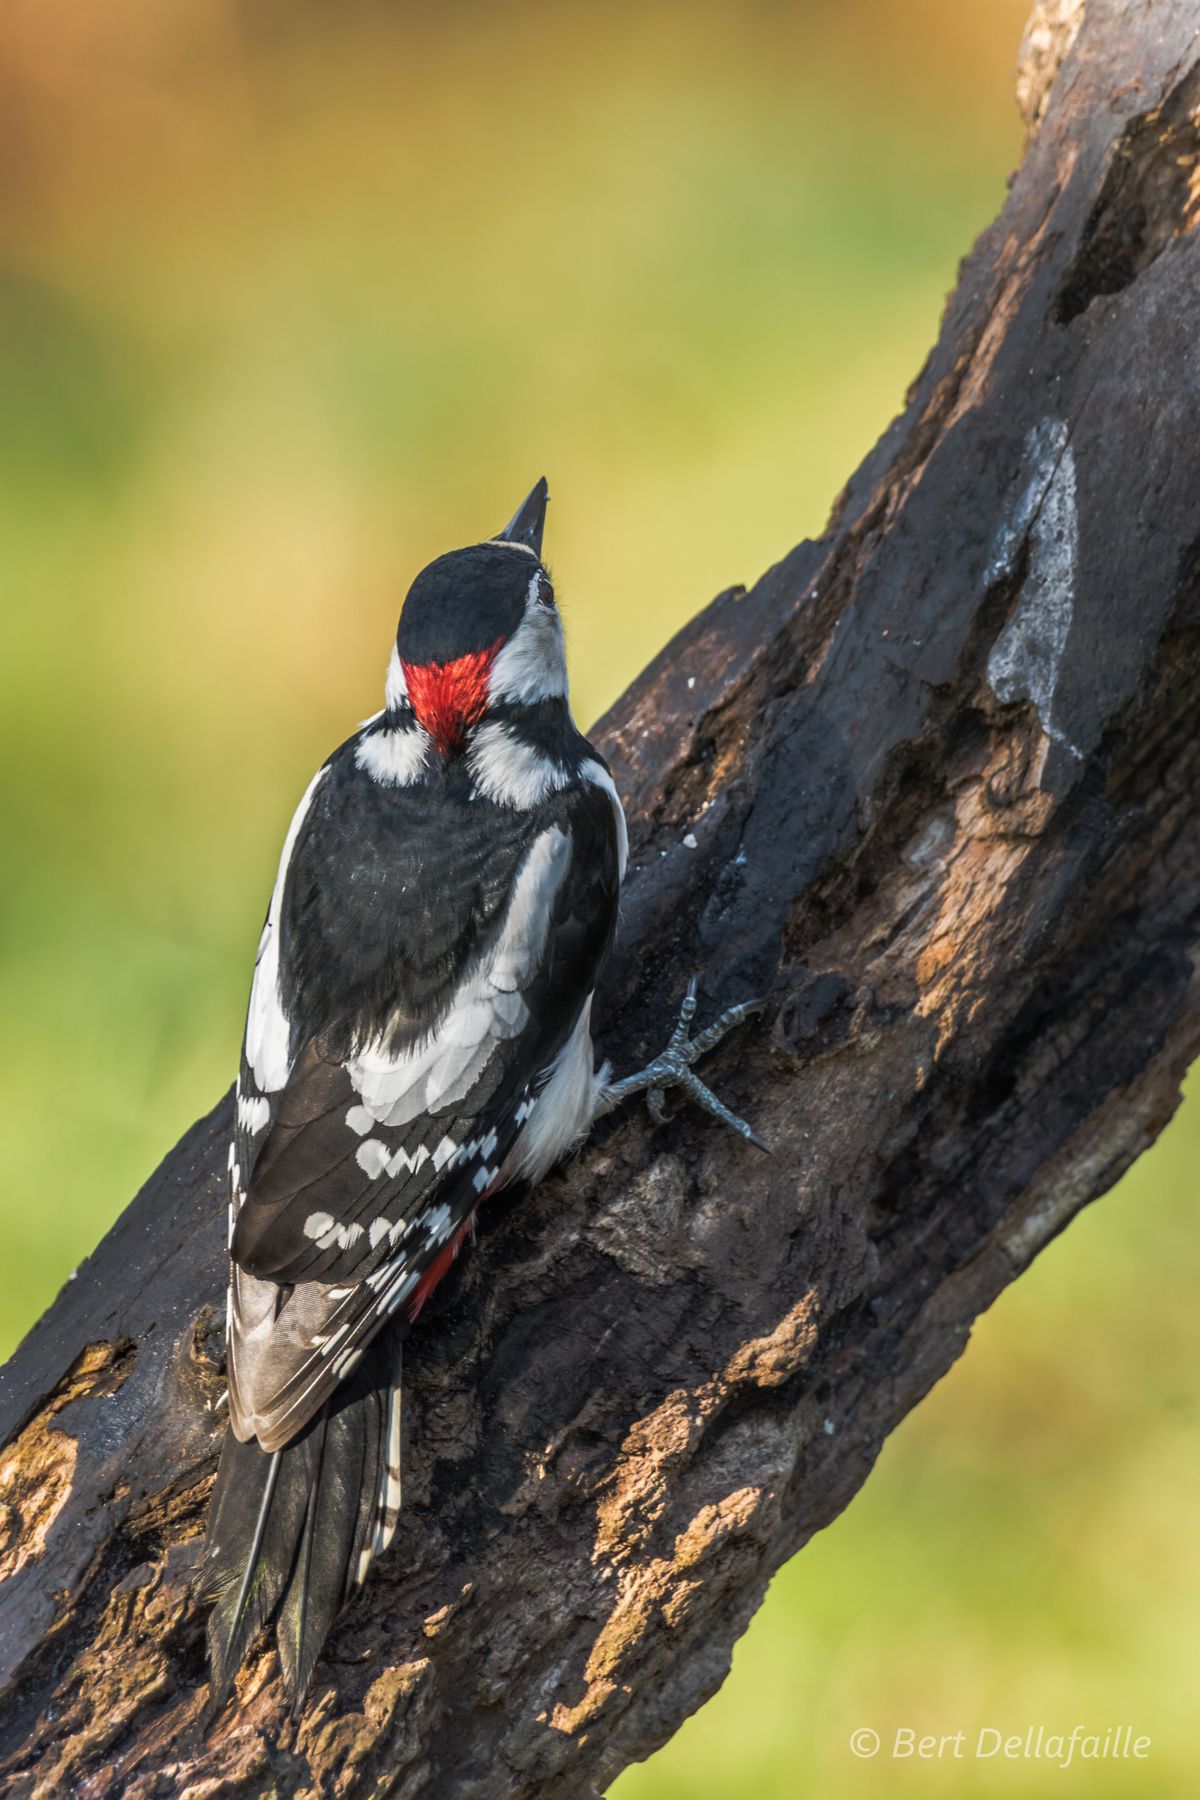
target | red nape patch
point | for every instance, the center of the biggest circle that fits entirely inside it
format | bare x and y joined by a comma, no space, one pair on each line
448,698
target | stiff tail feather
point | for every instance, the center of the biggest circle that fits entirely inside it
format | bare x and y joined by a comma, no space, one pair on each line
292,1532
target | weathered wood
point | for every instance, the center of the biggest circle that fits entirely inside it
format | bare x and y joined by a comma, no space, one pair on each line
935,782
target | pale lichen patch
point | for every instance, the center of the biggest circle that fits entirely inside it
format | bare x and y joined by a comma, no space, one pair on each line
37,1467
766,1361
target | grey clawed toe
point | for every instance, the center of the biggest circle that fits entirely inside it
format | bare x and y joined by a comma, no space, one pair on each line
673,1068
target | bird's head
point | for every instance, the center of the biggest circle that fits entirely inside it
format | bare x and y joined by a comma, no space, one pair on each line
479,629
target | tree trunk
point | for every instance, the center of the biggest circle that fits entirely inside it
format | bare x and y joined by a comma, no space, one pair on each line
934,782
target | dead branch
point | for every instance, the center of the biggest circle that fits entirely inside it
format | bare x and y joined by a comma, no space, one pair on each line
935,782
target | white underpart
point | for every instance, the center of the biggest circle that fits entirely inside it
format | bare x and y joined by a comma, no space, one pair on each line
563,1111
533,664
396,687
511,771
396,1088
396,757
1026,658
268,1032
599,777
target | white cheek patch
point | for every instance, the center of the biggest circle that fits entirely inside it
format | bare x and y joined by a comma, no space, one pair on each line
533,664
395,1088
511,772
268,1029
394,758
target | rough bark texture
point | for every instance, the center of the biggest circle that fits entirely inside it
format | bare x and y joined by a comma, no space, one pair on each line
935,780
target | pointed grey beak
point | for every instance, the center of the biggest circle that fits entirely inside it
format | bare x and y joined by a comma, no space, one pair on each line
529,520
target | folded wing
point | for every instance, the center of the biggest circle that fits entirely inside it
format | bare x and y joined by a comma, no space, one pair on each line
360,1170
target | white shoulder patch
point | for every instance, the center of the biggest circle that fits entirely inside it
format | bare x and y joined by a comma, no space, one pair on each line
394,758
510,771
599,777
268,1029
488,1007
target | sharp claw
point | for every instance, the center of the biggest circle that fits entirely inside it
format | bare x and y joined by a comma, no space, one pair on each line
687,1013
674,1067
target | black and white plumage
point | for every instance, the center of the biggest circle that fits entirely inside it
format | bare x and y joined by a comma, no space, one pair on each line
418,1036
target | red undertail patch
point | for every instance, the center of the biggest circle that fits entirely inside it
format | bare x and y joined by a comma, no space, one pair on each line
439,1267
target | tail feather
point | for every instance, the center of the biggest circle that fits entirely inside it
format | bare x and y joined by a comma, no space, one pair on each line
292,1627
291,1532
341,1504
257,1515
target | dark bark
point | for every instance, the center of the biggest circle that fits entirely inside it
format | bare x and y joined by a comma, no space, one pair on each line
933,781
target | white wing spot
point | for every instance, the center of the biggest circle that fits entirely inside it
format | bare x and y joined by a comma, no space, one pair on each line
436,1223
409,1160
254,1112
372,1157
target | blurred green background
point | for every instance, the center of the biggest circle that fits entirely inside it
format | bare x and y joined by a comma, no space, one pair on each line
293,297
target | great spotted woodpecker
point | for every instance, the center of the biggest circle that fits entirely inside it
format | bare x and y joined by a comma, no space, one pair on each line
418,1036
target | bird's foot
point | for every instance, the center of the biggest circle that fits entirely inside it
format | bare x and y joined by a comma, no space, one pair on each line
673,1069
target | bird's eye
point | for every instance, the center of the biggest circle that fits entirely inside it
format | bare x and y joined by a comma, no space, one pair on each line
545,593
